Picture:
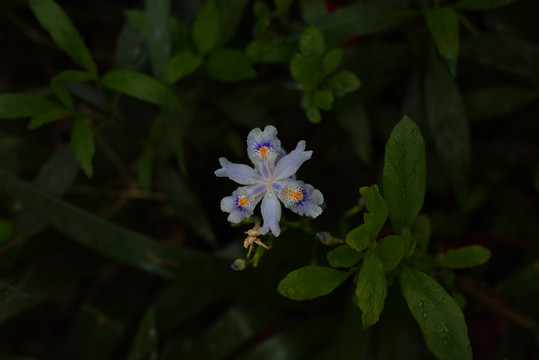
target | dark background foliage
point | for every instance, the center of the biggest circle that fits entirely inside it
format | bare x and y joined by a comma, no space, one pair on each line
75,286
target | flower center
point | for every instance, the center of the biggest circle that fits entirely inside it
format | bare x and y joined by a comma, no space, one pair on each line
294,195
243,201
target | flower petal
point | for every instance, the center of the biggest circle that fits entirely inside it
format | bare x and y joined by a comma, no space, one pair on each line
289,164
263,147
271,213
242,202
301,198
240,173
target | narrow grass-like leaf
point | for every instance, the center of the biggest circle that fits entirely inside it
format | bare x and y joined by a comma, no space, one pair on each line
68,76
65,35
446,116
376,216
159,38
444,27
14,106
182,65
465,257
230,65
141,87
310,282
50,116
371,290
205,30
438,315
82,142
343,256
404,174
145,343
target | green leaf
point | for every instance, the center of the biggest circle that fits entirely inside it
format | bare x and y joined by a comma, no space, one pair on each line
141,87
332,60
444,27
311,43
323,99
230,16
376,217
390,251
272,50
343,82
513,55
404,174
230,65
313,114
438,315
82,142
421,231
363,18
343,256
310,282
358,238
13,106
48,117
497,101
206,28
312,10
9,294
6,230
482,4
303,71
159,37
353,118
144,167
182,65
145,343
465,257
446,116
371,290
64,33
68,76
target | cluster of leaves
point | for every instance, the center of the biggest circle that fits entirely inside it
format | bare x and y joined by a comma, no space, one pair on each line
437,313
147,120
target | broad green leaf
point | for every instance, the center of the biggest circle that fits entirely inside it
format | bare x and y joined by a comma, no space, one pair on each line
6,230
68,76
230,16
145,344
332,60
390,251
444,27
343,82
82,142
513,55
323,99
343,256
493,102
64,33
438,315
409,241
272,50
371,290
13,106
141,87
361,19
130,247
303,71
144,167
421,231
310,282
448,125
359,238
376,205
313,114
311,43
182,65
10,294
465,257
159,37
482,4
353,118
404,174
230,65
48,117
205,30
